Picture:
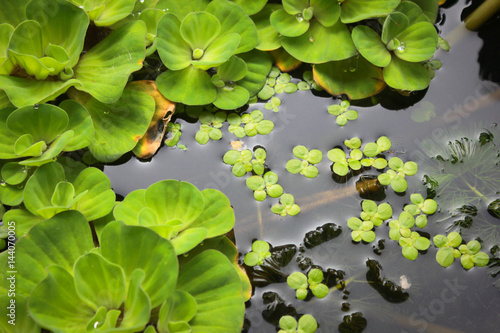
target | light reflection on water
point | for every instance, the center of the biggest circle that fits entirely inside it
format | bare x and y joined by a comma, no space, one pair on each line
441,300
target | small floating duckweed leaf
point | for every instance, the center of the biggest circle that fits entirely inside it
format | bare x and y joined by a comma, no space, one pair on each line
240,160
354,143
376,214
471,256
427,206
286,206
447,248
260,252
342,112
298,281
306,324
361,230
411,245
273,104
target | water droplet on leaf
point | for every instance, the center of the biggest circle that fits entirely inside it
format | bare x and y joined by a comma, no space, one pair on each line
35,106
299,17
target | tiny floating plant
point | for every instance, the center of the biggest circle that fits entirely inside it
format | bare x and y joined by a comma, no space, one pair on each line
306,324
342,112
260,252
305,164
300,282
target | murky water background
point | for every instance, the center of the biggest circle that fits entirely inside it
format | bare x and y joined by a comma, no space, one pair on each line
440,300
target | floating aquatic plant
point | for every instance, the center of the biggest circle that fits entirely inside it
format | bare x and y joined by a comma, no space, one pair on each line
260,252
256,124
175,134
342,112
375,214
93,287
179,212
264,186
286,206
300,282
361,230
210,126
447,245
305,164
396,175
306,324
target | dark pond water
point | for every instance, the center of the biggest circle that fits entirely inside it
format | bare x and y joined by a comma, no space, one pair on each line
435,299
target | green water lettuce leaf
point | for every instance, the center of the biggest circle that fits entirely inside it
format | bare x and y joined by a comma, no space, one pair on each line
190,47
47,192
288,24
313,47
355,77
60,240
181,9
211,280
42,132
269,37
233,19
370,46
104,70
357,10
24,322
13,12
117,126
178,211
429,7
229,94
258,67
394,24
177,86
405,75
127,246
65,27
107,12
416,43
251,7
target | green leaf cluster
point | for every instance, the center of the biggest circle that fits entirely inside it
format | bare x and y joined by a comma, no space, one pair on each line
421,208
179,212
410,241
53,189
77,287
259,253
355,161
35,135
305,164
306,324
451,247
43,53
398,54
395,177
376,214
216,35
361,230
265,185
210,126
313,281
286,206
175,135
243,161
342,112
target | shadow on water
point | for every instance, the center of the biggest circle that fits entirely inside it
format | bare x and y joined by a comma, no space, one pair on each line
373,288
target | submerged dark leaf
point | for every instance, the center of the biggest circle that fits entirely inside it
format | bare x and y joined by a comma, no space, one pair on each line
276,308
390,291
353,323
321,235
494,208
